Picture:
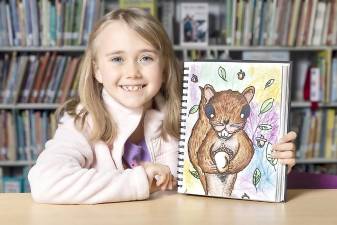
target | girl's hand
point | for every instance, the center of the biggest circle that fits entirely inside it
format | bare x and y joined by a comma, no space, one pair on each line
285,149
159,176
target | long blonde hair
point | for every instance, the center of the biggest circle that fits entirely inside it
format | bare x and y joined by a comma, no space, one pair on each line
90,90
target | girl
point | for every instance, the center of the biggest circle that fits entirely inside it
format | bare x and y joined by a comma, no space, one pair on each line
118,142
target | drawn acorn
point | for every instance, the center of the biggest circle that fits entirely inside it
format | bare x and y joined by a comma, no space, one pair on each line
194,78
241,75
260,141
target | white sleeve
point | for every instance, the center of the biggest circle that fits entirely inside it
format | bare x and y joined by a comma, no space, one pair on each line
168,154
62,173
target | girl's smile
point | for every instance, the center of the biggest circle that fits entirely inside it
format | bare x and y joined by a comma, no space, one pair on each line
132,88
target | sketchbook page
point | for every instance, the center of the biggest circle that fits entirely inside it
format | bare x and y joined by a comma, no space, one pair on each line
232,114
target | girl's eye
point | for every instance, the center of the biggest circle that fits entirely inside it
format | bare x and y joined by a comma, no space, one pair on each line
146,59
117,60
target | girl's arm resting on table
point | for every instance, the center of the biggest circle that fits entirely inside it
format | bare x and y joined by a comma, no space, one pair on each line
62,175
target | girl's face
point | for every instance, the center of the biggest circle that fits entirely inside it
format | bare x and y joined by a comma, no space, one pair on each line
129,67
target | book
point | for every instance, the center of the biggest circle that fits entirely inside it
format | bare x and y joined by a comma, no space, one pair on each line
69,76
23,62
294,22
47,77
319,23
11,150
1,177
4,33
167,15
333,84
317,132
12,184
303,18
39,78
232,113
194,24
329,130
33,67
326,24
310,28
149,6
3,148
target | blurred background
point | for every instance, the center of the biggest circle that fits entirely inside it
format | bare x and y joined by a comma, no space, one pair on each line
41,43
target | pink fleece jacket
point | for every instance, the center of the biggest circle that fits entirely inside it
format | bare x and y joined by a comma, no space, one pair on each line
71,170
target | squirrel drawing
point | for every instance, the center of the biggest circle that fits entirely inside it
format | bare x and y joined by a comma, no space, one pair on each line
219,147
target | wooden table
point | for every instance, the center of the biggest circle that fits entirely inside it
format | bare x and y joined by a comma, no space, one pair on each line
305,207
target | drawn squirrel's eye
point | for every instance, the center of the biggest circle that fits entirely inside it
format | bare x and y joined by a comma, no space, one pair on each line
245,112
209,111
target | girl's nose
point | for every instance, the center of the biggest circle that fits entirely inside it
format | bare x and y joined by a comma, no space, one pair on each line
132,70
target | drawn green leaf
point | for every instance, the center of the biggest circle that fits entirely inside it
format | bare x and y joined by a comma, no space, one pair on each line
269,83
265,126
195,174
256,177
271,160
194,109
222,73
266,105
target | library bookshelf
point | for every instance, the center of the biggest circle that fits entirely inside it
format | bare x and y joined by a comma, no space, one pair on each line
184,50
254,29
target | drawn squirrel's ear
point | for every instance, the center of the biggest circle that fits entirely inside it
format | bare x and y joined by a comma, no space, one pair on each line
249,93
208,92
201,91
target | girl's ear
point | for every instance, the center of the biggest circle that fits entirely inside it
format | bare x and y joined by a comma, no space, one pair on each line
97,74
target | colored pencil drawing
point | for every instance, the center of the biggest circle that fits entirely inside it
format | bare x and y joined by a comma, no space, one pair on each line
218,147
213,173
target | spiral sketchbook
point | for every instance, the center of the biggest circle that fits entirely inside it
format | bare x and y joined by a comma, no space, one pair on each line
232,113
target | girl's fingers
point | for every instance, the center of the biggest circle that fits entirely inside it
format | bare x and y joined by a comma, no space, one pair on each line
170,186
166,183
174,183
154,188
288,137
160,179
289,146
283,154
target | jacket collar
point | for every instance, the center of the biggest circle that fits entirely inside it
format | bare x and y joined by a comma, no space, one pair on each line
116,108
127,119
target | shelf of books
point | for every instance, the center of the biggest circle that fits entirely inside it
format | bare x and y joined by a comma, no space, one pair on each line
17,163
81,49
41,43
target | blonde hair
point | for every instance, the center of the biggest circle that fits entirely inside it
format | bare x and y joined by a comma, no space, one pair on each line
90,90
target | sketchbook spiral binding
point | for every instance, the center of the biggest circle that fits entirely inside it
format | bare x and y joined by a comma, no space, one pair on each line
182,132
